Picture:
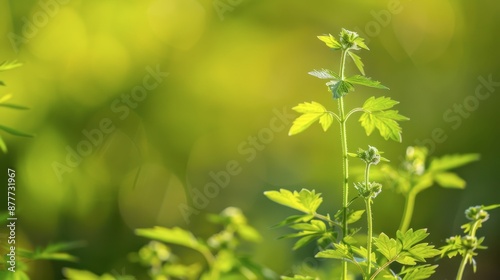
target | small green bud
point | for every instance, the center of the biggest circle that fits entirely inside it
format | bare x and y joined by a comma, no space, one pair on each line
370,156
372,190
469,242
476,213
415,160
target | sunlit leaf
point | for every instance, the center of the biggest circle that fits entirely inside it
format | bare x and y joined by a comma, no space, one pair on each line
324,74
355,216
449,180
386,246
385,121
418,272
373,104
452,161
305,201
175,236
357,61
366,81
8,65
330,41
311,112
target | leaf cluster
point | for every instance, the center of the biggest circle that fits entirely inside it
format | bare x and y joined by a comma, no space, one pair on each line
219,250
407,249
417,173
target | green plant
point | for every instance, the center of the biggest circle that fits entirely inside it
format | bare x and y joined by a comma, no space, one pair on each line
414,176
333,234
220,251
467,244
4,66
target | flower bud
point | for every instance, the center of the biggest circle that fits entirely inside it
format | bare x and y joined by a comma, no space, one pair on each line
476,213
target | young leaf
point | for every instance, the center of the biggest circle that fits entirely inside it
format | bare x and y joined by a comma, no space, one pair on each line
7,65
354,216
175,236
324,74
449,180
386,246
373,104
15,132
311,112
365,81
452,161
418,272
339,88
385,122
305,201
298,277
341,252
357,61
330,41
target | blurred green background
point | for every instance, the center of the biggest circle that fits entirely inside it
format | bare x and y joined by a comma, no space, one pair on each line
120,144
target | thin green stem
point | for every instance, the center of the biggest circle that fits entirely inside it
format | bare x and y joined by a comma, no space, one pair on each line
369,220
469,253
352,112
462,267
408,211
345,162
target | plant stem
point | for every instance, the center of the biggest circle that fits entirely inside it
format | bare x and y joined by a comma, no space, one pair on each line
469,253
462,267
345,163
368,202
408,211
369,218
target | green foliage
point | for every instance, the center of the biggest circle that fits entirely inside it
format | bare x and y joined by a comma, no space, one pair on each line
377,115
311,112
305,201
467,244
219,250
52,252
4,66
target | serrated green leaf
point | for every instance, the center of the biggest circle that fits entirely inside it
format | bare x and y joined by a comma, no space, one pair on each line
175,235
366,81
385,122
361,43
324,74
449,180
340,252
339,88
410,237
311,112
305,201
8,65
357,61
418,272
294,219
373,104
355,216
452,161
13,106
386,246
15,132
330,41
304,241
